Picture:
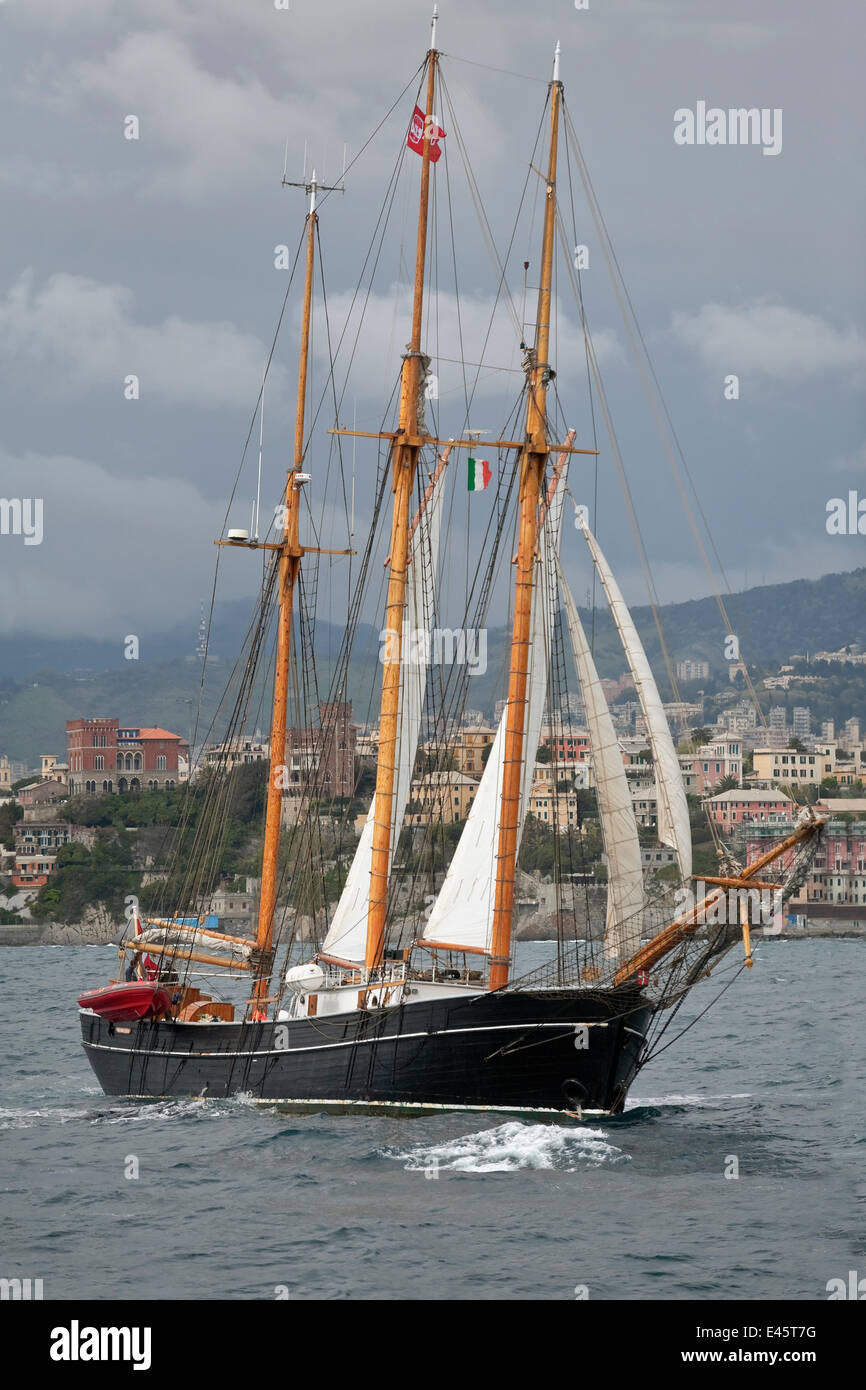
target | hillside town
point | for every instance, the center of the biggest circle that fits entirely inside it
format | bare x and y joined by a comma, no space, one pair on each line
746,774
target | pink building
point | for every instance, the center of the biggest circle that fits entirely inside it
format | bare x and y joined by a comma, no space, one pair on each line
32,870
566,743
738,807
714,761
837,873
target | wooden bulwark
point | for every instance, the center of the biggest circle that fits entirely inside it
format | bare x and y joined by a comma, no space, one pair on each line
214,1008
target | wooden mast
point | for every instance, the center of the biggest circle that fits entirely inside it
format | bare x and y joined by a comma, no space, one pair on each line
532,467
405,451
289,562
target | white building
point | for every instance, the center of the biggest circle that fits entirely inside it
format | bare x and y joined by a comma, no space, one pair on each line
692,670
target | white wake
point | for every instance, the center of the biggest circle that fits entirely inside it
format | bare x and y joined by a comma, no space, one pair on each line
511,1147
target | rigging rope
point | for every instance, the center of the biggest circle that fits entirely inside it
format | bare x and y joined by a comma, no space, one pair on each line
650,380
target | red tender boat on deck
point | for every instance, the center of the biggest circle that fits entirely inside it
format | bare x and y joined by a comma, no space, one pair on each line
124,1001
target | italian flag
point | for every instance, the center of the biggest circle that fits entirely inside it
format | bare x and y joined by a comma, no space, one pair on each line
479,474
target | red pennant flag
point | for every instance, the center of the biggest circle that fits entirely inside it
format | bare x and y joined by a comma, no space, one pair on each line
416,135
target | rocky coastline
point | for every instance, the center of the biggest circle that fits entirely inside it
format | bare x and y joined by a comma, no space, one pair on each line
98,928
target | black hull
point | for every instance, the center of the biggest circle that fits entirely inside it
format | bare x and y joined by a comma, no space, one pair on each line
505,1051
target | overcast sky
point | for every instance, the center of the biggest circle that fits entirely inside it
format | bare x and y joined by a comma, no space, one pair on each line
156,257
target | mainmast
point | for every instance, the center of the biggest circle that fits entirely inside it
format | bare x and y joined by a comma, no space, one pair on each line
290,553
532,468
405,453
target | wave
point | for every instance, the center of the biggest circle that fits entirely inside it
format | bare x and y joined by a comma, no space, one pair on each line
119,1112
641,1102
511,1147
133,1112
26,1117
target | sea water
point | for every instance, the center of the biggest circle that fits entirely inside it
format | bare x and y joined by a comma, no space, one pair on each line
736,1170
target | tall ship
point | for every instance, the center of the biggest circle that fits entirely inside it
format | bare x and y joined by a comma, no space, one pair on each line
398,990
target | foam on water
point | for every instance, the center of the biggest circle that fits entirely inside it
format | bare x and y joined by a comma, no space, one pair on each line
640,1102
511,1147
26,1117
113,1113
133,1112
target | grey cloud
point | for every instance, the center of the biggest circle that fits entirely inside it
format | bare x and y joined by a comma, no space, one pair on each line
118,555
156,257
87,336
771,339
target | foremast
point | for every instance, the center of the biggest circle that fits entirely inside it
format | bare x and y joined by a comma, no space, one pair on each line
533,463
406,449
290,553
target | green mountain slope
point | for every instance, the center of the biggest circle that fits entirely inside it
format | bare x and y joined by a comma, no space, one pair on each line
771,623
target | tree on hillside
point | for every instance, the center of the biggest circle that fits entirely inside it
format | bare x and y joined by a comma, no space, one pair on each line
435,760
726,784
85,878
10,814
365,782
247,792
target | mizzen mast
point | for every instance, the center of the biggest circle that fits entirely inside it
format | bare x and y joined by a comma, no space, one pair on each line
290,553
532,469
405,453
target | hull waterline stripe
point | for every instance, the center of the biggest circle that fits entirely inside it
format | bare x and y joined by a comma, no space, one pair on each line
417,1106
353,1042
424,1105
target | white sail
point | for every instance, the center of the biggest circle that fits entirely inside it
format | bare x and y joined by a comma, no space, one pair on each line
463,912
347,935
673,811
625,894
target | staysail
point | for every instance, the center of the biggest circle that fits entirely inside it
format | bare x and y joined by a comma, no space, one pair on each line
673,812
463,912
347,935
625,894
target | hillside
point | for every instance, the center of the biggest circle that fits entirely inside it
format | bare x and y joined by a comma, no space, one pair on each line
42,684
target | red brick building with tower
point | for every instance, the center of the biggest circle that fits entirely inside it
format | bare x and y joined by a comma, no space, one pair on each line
104,758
